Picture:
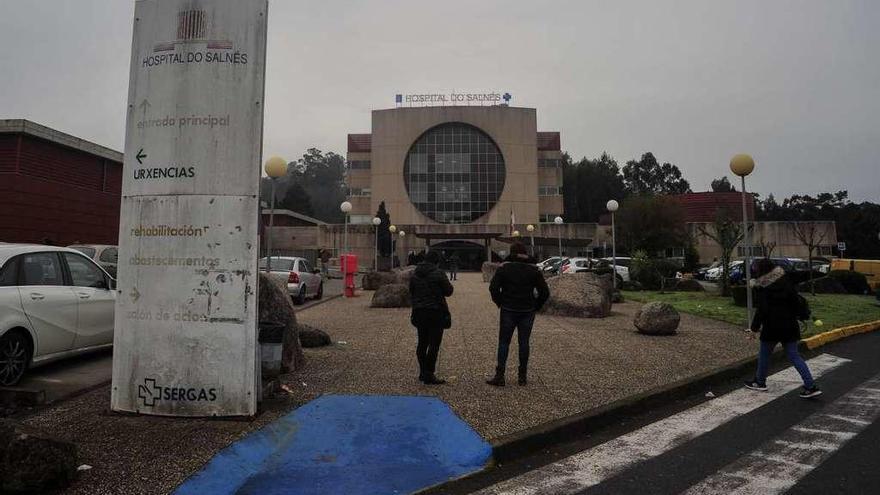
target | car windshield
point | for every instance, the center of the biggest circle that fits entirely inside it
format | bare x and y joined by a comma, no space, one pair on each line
278,264
90,252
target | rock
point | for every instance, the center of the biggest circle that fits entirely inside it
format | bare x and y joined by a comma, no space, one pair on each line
276,306
32,461
657,318
310,336
373,280
391,296
688,285
583,295
404,274
824,285
489,270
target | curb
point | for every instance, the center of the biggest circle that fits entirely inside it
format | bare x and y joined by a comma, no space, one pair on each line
839,333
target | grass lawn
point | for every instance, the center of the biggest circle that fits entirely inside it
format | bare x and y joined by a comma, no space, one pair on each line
834,310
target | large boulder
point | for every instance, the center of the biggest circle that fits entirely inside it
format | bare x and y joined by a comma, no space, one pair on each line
402,275
657,318
583,295
310,336
276,306
489,270
373,280
31,461
391,296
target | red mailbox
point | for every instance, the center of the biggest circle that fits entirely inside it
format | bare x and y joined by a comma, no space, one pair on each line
349,266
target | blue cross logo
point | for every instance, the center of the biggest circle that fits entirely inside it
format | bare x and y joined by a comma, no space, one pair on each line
507,97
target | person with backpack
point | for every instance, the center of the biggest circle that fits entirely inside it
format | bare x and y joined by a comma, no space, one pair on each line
428,289
779,309
519,290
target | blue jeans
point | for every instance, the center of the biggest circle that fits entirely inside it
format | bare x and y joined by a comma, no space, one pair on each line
521,322
793,356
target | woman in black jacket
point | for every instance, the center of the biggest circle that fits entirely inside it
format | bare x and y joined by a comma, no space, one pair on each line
778,309
428,289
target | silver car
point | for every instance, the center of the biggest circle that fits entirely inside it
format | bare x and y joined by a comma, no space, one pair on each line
303,281
104,255
54,303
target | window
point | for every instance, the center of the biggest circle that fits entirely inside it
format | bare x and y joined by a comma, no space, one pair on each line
755,251
84,273
454,173
360,219
305,267
359,164
548,162
825,251
359,192
547,217
41,269
9,273
109,255
549,190
278,264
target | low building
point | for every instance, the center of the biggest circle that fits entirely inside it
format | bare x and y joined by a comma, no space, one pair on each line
56,188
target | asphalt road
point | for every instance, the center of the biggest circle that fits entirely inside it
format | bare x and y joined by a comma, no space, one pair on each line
740,442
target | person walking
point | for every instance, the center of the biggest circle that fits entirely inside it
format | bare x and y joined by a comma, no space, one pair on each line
324,254
519,290
779,309
428,289
453,266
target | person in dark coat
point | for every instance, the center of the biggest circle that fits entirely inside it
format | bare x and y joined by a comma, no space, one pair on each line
452,265
778,309
519,290
428,289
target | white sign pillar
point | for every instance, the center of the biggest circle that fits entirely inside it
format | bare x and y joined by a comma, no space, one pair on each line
186,307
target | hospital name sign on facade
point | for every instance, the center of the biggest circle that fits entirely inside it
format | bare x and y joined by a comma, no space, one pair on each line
453,98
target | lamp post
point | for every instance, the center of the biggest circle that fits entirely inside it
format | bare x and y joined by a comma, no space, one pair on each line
531,229
612,206
393,230
516,233
275,167
558,221
401,234
376,222
742,165
345,207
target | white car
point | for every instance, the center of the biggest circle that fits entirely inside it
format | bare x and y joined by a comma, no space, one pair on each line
54,303
622,264
302,280
574,265
548,262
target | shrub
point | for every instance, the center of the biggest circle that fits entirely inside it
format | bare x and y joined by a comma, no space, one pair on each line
853,282
688,285
824,285
651,272
803,276
740,295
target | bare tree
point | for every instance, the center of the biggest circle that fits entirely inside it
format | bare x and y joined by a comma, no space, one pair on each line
727,234
767,247
811,235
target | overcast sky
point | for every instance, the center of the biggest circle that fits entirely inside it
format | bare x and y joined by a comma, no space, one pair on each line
795,83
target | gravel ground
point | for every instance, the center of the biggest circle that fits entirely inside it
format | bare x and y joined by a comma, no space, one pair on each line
576,364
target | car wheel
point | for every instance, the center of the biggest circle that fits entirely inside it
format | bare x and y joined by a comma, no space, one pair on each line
320,293
14,357
301,298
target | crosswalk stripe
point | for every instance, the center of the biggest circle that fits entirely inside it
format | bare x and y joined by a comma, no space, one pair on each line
591,467
780,463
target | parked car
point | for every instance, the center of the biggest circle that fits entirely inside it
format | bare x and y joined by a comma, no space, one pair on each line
548,262
102,254
622,263
553,267
574,265
54,303
302,280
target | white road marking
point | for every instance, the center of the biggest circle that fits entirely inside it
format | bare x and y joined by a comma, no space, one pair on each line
780,463
591,467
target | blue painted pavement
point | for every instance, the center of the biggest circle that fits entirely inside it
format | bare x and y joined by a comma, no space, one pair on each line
347,444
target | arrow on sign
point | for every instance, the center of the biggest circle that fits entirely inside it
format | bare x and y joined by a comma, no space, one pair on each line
140,156
135,295
145,105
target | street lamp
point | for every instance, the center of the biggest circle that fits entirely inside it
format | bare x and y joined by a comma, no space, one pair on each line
345,207
275,167
515,233
376,222
401,234
742,165
558,221
531,229
612,206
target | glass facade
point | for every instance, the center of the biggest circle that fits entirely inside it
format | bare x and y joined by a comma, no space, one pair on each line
454,173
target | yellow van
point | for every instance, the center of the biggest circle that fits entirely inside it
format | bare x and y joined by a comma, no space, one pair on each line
869,268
